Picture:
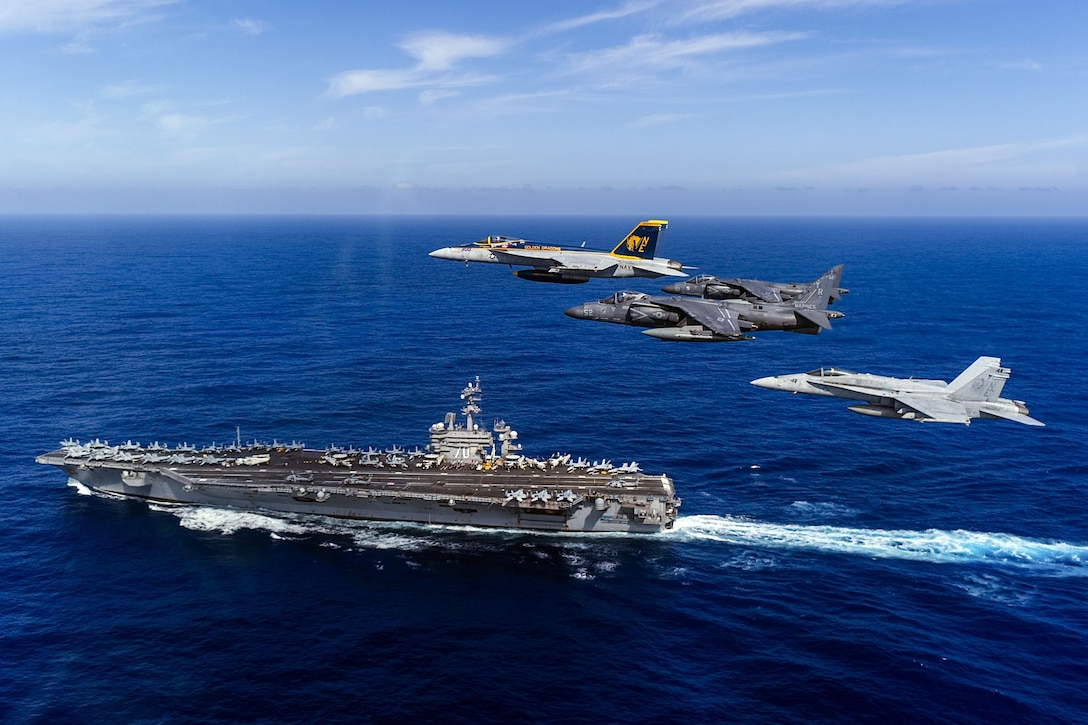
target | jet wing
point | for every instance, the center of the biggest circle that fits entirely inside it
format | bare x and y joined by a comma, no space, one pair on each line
934,408
532,259
939,410
714,317
762,290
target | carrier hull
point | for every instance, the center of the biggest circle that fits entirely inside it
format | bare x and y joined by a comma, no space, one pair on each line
552,500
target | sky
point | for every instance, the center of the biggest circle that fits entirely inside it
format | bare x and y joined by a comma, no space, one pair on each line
642,107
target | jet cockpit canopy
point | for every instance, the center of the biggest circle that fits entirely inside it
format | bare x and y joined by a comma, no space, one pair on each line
623,296
828,372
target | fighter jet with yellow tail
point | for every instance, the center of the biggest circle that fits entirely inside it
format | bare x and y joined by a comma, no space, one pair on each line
632,257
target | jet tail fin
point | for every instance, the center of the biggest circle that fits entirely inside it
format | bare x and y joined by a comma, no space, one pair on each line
817,294
982,380
642,241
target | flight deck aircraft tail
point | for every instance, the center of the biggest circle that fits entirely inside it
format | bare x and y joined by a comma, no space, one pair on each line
982,380
642,241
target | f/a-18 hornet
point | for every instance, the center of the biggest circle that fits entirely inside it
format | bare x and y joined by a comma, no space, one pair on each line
686,319
715,288
632,257
975,393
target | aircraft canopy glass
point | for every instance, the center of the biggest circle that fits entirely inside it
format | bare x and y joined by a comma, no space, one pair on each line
828,372
622,296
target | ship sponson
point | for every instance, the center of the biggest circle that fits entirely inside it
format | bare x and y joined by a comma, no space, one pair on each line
464,477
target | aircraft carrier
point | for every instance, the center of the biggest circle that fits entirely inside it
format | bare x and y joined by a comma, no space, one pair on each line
466,475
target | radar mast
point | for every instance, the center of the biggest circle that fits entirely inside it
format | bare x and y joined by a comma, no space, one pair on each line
470,395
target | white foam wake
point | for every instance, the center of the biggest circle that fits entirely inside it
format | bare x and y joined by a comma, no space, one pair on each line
933,545
229,521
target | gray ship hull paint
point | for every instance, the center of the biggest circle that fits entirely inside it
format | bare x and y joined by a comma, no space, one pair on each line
644,504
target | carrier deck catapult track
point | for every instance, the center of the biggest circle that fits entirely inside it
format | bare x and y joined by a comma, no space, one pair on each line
463,477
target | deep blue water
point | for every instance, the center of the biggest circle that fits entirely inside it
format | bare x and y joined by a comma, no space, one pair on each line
828,567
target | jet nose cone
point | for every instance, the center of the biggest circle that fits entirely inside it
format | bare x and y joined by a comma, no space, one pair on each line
447,253
771,383
673,289
578,312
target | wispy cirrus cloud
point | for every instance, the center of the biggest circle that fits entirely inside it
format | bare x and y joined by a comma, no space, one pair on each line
51,16
657,51
126,89
437,56
623,11
709,10
935,166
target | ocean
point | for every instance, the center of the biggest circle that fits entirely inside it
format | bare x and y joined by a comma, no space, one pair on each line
826,567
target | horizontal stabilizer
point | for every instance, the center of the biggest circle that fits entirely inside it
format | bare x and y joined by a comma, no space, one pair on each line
1014,417
816,317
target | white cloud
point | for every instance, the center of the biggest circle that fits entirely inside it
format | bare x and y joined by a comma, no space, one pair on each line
430,97
725,9
656,52
161,115
176,123
249,26
47,16
960,165
437,54
628,8
440,51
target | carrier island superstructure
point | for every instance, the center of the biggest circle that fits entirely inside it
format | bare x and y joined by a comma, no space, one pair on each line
466,475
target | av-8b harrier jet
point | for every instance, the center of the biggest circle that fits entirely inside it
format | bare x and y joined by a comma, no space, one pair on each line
715,288
632,257
975,393
686,319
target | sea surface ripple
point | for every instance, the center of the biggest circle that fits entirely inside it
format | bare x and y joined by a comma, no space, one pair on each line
827,567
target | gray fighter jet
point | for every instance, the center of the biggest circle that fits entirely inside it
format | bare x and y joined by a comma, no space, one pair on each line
685,319
669,318
632,257
714,288
975,393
